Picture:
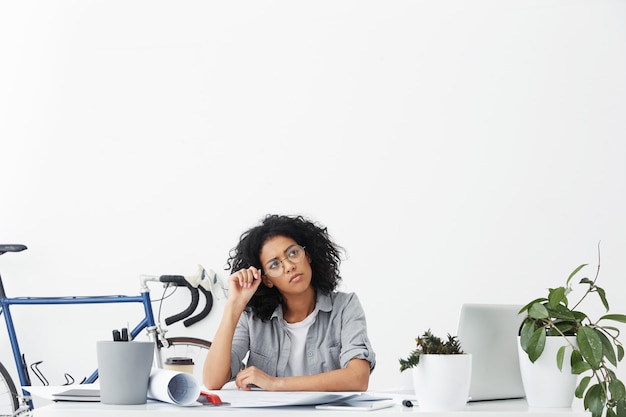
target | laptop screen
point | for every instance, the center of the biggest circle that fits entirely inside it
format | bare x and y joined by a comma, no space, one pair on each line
489,332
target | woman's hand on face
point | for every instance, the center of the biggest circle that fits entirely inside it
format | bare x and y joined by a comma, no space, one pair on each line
254,377
243,284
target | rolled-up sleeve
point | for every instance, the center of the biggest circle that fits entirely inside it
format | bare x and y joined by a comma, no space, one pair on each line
355,343
241,344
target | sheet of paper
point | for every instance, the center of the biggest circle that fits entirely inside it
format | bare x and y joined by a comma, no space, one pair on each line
356,405
259,398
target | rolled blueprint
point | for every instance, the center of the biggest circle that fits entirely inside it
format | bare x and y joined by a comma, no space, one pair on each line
173,387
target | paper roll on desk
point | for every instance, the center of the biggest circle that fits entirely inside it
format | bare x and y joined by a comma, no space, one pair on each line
180,388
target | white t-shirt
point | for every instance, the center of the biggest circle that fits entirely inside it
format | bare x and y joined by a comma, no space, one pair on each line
296,365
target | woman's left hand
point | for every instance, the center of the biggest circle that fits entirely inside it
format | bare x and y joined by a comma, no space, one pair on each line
254,377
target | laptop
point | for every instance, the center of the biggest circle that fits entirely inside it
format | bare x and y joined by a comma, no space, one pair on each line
489,332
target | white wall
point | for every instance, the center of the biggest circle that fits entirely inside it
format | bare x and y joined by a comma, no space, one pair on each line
461,151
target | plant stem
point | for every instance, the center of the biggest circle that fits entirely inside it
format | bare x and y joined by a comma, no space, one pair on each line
593,284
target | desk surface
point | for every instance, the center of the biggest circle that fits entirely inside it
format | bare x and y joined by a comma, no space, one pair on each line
516,408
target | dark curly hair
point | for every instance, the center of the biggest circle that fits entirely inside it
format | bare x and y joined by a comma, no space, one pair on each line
324,254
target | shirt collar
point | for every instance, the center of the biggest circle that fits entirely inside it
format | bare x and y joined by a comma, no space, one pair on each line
324,303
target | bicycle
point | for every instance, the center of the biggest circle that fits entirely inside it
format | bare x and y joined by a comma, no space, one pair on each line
13,403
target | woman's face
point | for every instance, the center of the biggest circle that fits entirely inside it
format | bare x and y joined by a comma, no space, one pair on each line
285,265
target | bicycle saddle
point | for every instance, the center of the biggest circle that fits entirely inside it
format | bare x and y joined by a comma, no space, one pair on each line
11,248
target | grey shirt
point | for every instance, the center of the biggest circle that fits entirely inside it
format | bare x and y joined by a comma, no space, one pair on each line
338,335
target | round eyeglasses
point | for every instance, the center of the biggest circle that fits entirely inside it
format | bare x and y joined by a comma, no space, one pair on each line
275,268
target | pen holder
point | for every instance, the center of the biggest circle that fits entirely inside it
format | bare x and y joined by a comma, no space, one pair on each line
124,371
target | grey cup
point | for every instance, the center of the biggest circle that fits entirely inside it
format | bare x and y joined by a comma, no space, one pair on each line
124,371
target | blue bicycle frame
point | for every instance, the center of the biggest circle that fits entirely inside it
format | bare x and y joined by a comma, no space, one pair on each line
5,302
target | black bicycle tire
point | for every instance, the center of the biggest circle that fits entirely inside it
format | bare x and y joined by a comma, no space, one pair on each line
7,386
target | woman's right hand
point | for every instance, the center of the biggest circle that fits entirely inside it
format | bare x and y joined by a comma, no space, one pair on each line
242,285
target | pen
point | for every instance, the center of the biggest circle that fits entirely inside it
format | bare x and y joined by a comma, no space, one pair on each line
409,403
116,336
125,335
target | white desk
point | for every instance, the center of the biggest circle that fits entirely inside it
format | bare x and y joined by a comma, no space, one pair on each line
514,408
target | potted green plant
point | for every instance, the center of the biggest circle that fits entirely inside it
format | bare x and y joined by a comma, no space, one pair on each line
594,344
441,372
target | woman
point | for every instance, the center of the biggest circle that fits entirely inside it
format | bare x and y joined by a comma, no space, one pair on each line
282,309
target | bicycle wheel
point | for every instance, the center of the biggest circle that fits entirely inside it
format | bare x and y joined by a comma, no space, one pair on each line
187,347
8,393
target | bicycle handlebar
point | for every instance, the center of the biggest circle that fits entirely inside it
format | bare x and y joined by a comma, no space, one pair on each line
199,282
205,311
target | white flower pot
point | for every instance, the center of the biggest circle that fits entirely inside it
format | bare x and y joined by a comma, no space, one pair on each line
442,382
545,385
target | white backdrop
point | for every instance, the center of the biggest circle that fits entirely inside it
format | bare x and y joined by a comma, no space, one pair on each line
461,151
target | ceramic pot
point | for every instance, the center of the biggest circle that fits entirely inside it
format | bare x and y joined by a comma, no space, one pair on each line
442,382
545,385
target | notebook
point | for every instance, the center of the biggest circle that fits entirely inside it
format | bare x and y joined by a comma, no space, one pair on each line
489,332
78,394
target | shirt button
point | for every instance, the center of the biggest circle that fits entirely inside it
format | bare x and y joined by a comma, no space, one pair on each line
309,353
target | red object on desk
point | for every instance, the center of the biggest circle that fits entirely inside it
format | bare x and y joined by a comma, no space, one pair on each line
211,398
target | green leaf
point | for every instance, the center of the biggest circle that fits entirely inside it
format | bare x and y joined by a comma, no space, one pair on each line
579,316
574,272
616,317
582,386
528,328
617,389
602,295
607,348
538,311
620,352
566,327
620,408
552,331
594,400
578,364
527,306
590,346
557,296
611,328
536,344
561,312
559,357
